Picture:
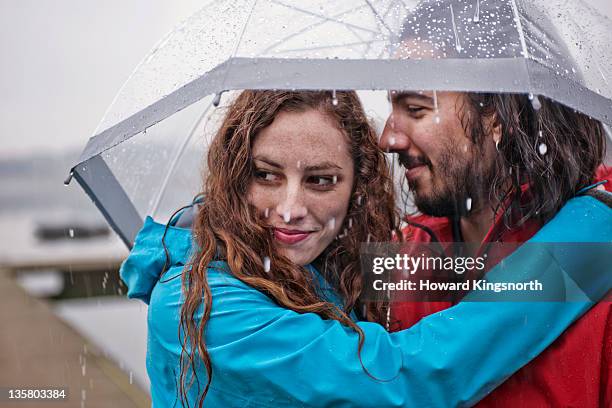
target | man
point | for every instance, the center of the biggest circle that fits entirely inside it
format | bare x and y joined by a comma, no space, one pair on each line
490,168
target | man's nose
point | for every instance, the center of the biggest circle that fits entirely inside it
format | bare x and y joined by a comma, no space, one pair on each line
392,138
292,207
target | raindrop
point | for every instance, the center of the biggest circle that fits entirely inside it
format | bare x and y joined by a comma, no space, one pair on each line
331,223
392,141
468,204
299,164
350,223
369,238
334,179
266,264
131,377
457,42
364,310
71,233
287,216
359,199
465,148
535,103
477,13
266,213
540,134
334,98
436,109
542,148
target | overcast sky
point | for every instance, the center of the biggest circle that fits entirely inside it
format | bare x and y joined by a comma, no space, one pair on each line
64,60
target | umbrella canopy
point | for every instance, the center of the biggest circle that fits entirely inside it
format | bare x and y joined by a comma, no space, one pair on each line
555,48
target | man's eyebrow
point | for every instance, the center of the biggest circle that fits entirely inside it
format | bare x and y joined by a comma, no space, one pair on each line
323,166
268,161
399,95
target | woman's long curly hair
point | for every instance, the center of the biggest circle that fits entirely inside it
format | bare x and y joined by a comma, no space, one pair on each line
228,227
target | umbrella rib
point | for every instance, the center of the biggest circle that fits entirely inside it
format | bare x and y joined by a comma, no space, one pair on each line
519,27
303,30
324,17
246,24
175,160
378,17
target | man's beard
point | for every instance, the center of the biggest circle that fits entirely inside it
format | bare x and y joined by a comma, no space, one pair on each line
460,184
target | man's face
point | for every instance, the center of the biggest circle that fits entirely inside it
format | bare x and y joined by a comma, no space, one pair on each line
447,173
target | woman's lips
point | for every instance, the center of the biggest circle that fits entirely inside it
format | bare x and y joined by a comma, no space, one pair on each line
290,237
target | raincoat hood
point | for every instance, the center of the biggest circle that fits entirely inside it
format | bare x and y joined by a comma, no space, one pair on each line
148,259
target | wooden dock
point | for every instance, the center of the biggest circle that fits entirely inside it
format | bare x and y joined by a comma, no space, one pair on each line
38,350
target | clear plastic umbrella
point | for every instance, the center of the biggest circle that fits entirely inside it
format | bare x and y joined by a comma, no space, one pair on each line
146,155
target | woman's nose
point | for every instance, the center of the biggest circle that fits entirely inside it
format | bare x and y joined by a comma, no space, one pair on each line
292,207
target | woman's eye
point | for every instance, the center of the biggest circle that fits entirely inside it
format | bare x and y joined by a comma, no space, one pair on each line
265,176
323,181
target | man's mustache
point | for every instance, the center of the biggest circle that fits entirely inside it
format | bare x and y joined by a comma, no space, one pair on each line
409,162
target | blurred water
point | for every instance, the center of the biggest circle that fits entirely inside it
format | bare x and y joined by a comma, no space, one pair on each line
32,194
116,325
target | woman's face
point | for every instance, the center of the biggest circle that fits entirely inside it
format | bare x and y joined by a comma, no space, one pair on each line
302,182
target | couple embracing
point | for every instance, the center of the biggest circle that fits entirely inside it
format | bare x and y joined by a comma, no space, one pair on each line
257,300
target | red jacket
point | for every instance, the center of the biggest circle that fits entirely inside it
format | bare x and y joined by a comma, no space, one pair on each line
574,371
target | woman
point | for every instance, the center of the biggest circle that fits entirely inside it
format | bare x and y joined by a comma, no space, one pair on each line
295,183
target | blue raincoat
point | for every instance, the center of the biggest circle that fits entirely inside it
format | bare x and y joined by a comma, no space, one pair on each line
264,355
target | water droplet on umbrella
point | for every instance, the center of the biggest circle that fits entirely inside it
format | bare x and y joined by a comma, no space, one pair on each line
457,41
542,148
477,13
468,204
266,264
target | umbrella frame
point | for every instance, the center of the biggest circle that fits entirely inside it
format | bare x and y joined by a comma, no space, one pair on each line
507,75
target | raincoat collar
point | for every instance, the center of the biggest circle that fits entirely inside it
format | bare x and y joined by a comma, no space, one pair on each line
148,261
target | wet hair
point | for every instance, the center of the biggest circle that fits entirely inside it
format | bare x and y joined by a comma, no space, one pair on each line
555,151
228,227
